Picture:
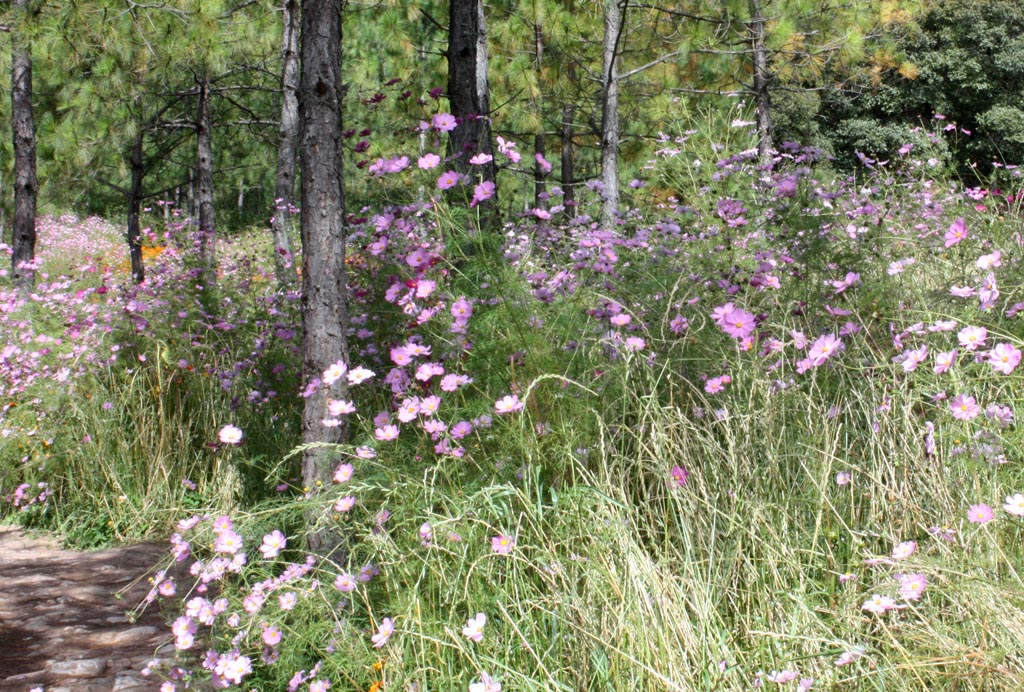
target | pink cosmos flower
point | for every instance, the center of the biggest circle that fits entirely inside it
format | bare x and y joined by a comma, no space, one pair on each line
944,361
384,632
1004,358
271,636
474,629
914,357
386,433
680,475
482,192
344,504
1014,505
509,404
841,285
345,583
486,684
986,262
343,473
736,322
233,667
823,347
228,542
448,180
481,159
717,384
543,163
956,233
912,585
964,407
340,407
230,435
781,677
359,375
879,604
502,544
980,514
972,338
904,550
428,161
273,543
334,373
443,122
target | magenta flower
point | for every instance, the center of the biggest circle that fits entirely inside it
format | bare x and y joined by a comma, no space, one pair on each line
1004,358
428,161
273,543
474,629
680,475
972,338
980,514
964,407
482,192
481,159
912,585
823,348
736,322
386,433
384,632
956,233
904,550
878,604
850,279
944,361
502,544
345,583
508,404
448,180
230,435
443,122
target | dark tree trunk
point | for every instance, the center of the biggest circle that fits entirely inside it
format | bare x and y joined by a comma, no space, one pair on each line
539,186
610,111
568,166
134,231
204,177
23,242
762,82
468,90
324,314
284,187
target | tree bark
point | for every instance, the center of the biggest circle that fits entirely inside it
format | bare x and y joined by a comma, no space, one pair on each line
468,89
762,82
539,185
610,112
134,230
204,177
568,166
23,242
324,310
284,187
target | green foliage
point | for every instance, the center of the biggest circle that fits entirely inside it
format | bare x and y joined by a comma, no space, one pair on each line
959,58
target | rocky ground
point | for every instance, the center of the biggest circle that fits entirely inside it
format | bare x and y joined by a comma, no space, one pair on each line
65,623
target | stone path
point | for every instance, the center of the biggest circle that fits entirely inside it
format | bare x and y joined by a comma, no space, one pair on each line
62,627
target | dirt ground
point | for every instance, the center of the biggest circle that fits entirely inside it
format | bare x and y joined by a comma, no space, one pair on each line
64,617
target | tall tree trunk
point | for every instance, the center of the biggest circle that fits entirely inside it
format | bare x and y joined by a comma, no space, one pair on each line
468,90
134,230
610,111
204,177
568,166
324,309
762,82
284,187
539,186
23,242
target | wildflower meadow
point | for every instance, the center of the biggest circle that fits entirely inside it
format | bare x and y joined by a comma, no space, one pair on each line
759,432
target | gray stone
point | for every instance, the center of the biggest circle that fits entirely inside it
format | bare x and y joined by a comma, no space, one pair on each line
86,667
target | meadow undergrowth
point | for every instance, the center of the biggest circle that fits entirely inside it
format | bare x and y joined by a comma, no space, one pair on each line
761,433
